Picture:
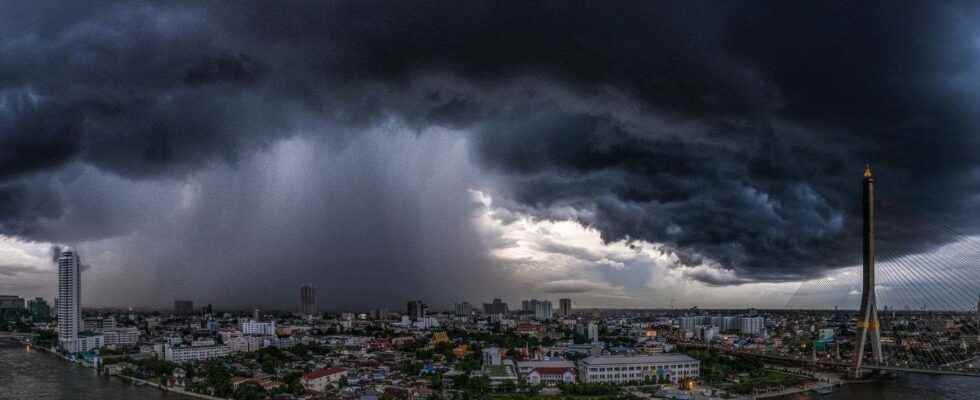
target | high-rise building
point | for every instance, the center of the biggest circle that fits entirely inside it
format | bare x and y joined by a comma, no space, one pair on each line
416,310
497,307
69,300
307,299
752,325
542,310
183,307
464,309
40,311
11,307
593,332
565,307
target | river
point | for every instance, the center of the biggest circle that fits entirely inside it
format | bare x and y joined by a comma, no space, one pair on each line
33,375
906,386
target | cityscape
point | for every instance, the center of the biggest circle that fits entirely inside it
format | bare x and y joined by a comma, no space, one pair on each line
476,351
485,200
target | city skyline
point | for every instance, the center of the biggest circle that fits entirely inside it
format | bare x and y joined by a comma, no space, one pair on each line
664,159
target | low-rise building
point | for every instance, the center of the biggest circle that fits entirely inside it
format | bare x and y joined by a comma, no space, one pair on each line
625,369
319,380
121,337
90,342
179,354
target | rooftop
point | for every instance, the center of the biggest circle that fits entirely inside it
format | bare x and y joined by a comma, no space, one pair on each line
645,359
322,372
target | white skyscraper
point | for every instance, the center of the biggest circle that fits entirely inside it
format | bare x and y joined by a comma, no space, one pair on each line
69,300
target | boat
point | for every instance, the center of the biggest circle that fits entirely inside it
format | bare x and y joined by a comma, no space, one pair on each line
824,389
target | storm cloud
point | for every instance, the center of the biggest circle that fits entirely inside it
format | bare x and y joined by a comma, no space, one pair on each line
731,135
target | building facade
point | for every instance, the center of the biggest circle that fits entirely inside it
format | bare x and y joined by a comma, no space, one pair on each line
308,300
180,354
183,307
752,325
416,310
69,300
259,328
321,379
635,369
121,337
565,307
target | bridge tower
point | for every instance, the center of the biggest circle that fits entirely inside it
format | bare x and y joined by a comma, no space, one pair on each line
867,322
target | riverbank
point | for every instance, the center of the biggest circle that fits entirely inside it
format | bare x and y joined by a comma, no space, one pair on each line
124,378
168,388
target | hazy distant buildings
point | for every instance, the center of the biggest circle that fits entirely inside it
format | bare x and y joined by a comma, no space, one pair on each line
540,309
593,332
751,325
464,309
725,324
183,307
543,310
10,307
496,307
308,300
69,300
416,310
565,307
39,309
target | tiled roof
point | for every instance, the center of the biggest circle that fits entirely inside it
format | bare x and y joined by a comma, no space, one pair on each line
322,372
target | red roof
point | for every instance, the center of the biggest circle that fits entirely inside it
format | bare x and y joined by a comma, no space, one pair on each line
320,373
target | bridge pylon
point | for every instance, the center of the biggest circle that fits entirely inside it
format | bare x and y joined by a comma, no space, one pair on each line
867,321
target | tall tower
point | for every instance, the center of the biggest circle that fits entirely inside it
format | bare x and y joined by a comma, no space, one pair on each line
307,298
69,300
867,322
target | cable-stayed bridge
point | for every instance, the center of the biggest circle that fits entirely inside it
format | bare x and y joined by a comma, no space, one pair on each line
918,312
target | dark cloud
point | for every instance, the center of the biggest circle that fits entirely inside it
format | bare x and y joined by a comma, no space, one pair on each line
573,286
13,270
733,133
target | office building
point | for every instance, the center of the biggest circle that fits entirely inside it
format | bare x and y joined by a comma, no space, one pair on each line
543,311
416,310
183,307
181,354
693,323
496,307
751,325
39,309
539,309
308,300
259,328
635,369
565,307
69,300
121,337
725,324
593,332
11,307
90,342
464,309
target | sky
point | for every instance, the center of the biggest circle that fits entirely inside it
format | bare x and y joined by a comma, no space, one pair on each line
636,154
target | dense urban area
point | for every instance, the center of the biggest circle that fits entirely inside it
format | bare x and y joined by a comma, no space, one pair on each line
470,352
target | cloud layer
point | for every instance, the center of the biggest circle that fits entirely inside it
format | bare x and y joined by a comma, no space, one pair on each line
731,138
